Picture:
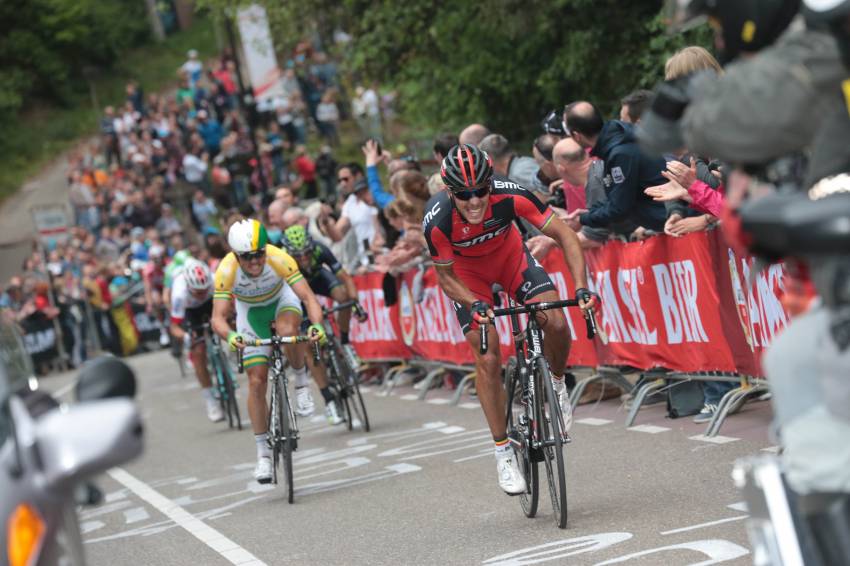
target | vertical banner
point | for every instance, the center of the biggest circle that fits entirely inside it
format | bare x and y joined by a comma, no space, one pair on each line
259,52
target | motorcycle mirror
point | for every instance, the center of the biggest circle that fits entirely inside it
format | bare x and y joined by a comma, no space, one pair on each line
103,378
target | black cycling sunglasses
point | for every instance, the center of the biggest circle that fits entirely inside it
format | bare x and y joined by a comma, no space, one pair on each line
248,256
467,195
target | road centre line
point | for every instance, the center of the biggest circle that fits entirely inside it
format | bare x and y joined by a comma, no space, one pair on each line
222,545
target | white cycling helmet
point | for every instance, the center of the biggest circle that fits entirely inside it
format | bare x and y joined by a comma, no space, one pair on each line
247,236
197,275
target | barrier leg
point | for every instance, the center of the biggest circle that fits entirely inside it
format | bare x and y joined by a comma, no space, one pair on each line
466,381
733,405
608,375
722,409
389,379
642,393
426,383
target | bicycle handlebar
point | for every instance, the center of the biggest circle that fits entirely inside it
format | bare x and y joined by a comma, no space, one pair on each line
339,307
589,317
275,341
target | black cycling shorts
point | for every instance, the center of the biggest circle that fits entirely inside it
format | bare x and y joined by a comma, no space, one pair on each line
198,316
323,282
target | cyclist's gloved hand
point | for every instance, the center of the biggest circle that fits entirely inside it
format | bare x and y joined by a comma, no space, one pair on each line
317,333
360,313
586,298
235,340
482,313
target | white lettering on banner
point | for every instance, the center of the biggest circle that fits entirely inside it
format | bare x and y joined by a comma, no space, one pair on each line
628,281
563,291
37,342
765,309
677,294
612,317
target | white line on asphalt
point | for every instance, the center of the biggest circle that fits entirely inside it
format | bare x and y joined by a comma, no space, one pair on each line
225,547
592,421
439,401
409,397
771,449
451,429
484,452
740,506
714,439
651,429
702,525
470,405
135,515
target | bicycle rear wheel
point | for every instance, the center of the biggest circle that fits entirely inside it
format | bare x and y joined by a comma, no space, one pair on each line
335,367
355,398
551,423
275,426
287,440
520,434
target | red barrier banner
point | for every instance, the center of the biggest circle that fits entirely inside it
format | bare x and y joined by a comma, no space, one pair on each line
677,303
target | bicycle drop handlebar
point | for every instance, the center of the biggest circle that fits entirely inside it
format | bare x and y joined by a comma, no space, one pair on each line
276,341
589,317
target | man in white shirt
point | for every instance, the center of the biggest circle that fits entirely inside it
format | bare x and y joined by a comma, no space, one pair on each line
358,215
195,168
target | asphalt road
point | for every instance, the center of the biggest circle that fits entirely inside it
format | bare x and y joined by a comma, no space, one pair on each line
419,489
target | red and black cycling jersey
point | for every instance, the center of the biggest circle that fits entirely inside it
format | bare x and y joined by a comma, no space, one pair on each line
450,237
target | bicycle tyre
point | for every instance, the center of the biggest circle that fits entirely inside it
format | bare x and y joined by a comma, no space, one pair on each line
230,390
274,427
335,367
285,414
352,379
217,374
552,430
528,465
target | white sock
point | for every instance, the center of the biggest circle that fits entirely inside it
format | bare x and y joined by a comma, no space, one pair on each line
302,378
557,378
263,450
503,449
207,392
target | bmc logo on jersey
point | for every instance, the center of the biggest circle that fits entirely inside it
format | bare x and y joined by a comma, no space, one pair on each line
497,184
482,238
431,214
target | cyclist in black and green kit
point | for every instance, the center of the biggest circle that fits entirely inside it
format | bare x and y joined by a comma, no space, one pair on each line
327,278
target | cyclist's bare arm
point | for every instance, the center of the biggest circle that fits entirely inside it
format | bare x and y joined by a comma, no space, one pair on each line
453,286
222,309
314,309
348,282
571,247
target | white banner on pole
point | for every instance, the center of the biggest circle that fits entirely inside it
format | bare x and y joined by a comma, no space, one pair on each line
259,52
51,223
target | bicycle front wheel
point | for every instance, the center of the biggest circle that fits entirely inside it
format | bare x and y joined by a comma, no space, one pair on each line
275,426
552,422
288,441
229,386
355,398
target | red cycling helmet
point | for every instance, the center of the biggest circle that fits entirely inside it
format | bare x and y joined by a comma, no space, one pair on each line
466,166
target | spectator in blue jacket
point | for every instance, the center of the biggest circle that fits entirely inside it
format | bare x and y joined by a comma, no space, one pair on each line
211,131
627,171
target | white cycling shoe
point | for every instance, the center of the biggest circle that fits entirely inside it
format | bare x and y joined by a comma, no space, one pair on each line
332,413
511,479
214,412
564,402
304,405
263,470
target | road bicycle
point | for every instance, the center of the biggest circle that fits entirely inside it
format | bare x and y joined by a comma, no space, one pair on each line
536,425
222,374
282,424
343,376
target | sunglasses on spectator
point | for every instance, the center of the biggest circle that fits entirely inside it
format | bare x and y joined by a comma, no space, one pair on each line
248,256
477,193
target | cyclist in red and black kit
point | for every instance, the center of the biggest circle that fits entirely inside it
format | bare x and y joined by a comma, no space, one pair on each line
474,243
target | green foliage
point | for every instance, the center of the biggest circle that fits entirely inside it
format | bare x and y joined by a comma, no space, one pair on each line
39,129
503,62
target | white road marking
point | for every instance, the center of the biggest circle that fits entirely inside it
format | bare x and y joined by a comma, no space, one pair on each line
740,506
703,525
714,439
89,526
365,389
558,549
716,551
225,547
409,397
135,515
484,452
651,429
439,401
772,449
592,421
470,405
451,429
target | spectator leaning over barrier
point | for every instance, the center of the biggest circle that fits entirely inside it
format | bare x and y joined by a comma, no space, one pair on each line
473,134
359,216
633,105
547,174
627,172
381,197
